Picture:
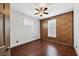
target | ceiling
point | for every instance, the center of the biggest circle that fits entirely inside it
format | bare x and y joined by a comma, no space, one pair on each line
53,8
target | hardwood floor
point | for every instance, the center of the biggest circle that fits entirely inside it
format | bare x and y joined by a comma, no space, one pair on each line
43,48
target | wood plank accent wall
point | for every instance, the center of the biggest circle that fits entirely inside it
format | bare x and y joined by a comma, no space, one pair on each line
64,29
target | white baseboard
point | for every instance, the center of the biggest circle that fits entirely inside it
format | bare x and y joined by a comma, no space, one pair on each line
77,50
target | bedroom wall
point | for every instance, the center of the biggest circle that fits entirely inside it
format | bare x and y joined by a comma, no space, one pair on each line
21,32
63,29
76,28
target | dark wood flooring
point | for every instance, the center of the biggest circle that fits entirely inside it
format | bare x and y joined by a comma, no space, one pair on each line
43,48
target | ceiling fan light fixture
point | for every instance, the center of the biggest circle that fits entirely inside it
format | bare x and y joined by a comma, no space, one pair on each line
41,10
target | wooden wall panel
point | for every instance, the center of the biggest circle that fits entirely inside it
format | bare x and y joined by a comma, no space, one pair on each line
44,30
68,28
64,29
60,27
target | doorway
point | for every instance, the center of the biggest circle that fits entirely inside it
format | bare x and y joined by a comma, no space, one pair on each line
4,29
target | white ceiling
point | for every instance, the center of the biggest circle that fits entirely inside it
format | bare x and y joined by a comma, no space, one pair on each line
53,8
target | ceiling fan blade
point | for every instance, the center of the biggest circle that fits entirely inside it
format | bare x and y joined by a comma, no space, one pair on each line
37,9
36,13
45,12
45,9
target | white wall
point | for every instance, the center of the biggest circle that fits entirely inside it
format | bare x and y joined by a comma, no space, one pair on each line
76,28
19,31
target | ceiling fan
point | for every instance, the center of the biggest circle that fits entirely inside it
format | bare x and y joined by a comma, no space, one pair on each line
41,10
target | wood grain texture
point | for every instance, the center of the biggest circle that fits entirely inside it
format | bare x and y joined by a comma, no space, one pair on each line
64,29
43,48
44,29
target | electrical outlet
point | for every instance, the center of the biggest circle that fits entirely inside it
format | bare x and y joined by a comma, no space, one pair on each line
34,36
17,41
76,46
